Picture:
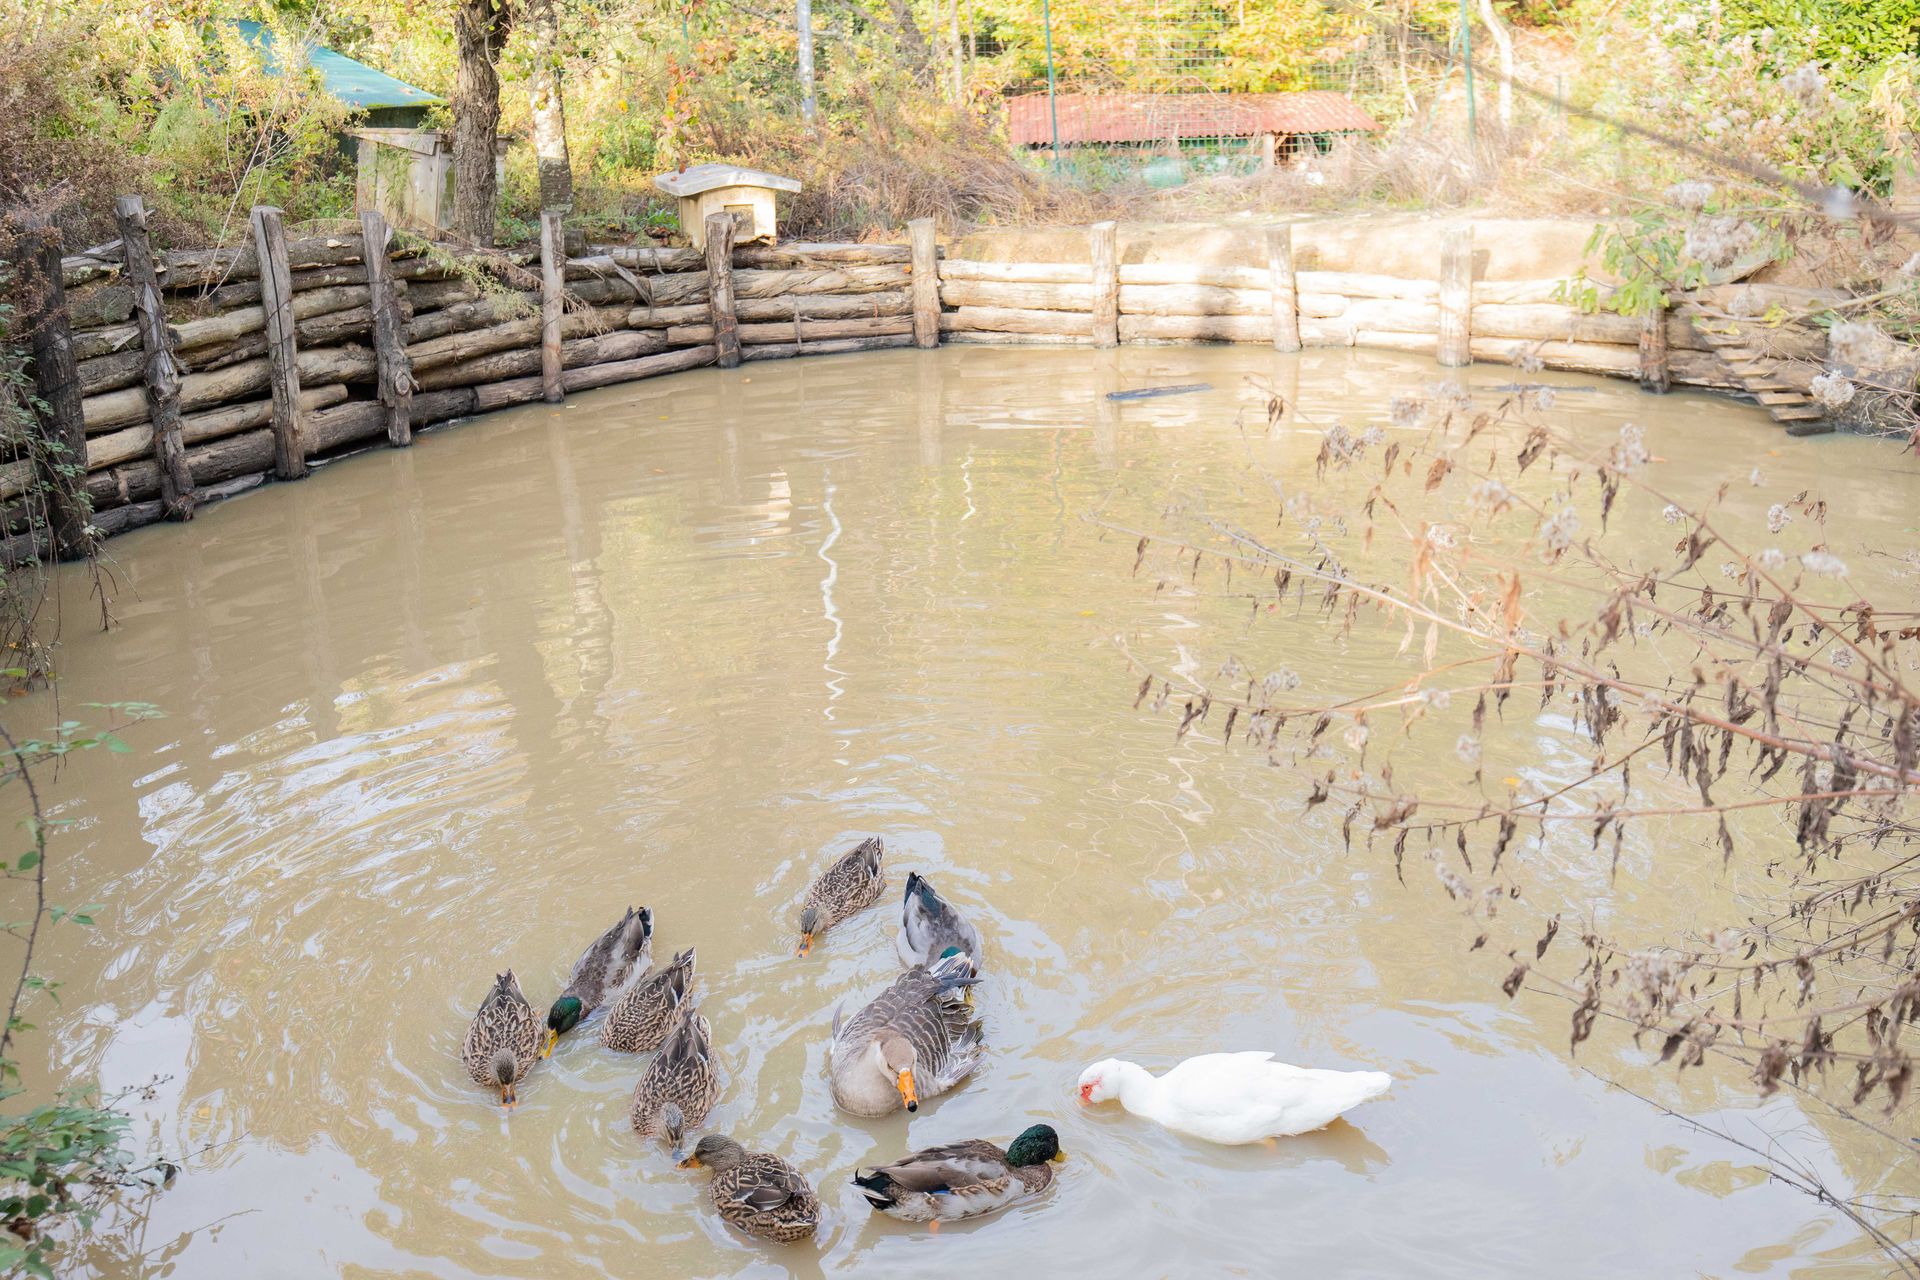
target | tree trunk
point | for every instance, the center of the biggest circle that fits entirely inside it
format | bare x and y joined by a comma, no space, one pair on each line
1503,44
549,109
913,42
479,31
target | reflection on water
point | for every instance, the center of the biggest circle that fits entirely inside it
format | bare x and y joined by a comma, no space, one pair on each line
447,709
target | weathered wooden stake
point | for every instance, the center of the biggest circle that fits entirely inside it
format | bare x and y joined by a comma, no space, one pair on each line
60,461
1654,375
283,363
389,331
1456,296
726,328
161,372
926,283
1103,250
1286,297
553,302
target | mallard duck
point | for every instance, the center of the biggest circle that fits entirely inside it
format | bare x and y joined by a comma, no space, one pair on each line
852,884
963,1179
503,1040
916,1040
645,1015
603,973
1233,1097
680,1085
755,1192
930,926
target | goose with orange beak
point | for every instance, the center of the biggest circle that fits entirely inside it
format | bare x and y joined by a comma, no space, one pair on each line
915,1041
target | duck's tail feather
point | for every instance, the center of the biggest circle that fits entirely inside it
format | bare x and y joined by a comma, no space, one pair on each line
673,1124
953,972
877,1187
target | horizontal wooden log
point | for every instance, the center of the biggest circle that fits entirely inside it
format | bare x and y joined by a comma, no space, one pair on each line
523,332
116,447
797,331
499,395
329,330
1007,293
1017,320
774,282
95,306
207,390
110,373
1017,272
824,306
658,260
241,321
1321,305
1209,275
476,313
248,453
839,346
201,268
667,317
1610,359
1194,300
622,344
954,337
1155,328
1394,315
1552,321
1355,284
1522,292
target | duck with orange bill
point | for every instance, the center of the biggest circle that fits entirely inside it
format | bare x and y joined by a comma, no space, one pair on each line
1233,1098
848,887
915,1041
614,962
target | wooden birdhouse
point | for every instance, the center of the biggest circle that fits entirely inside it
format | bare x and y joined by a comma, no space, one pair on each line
726,188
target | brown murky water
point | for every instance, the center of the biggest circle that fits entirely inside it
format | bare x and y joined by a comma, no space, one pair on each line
444,710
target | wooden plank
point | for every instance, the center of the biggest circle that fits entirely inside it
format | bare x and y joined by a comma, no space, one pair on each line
60,447
926,283
553,266
1356,284
1103,250
799,332
1456,296
389,333
1655,375
162,374
1209,274
1285,291
283,355
1020,294
834,347
726,326
1019,320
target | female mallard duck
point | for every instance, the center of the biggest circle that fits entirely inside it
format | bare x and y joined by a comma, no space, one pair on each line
963,1179
852,884
646,1014
503,1041
757,1193
916,1040
930,926
603,973
680,1085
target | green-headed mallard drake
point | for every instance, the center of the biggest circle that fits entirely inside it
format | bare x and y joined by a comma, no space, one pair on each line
916,1040
644,1016
601,975
680,1085
755,1192
930,927
852,884
503,1040
963,1179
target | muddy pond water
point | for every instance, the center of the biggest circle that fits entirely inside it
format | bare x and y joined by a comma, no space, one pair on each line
439,711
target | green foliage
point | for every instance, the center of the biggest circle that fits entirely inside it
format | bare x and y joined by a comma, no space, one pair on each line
60,1162
1851,33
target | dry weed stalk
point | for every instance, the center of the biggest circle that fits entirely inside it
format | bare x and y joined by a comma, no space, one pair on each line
1752,700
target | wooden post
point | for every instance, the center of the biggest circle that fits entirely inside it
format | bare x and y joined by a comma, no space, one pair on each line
60,455
926,283
1654,376
1280,281
276,297
726,329
1103,250
162,374
389,334
553,302
1456,296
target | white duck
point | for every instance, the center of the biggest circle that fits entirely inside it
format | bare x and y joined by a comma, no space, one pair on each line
1233,1097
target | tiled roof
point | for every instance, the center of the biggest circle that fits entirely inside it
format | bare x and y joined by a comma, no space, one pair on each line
1158,117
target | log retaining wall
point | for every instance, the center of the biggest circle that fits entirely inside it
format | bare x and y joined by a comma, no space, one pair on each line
199,373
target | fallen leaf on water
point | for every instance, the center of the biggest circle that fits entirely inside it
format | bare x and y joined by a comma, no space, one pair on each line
1086,613
203,1112
1511,781
659,471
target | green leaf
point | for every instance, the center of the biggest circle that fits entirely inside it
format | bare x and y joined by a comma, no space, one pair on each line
29,860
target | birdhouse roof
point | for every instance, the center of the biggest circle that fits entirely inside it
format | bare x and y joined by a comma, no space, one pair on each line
705,177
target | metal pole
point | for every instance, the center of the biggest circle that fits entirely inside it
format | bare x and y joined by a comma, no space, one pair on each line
1053,108
1466,54
804,11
